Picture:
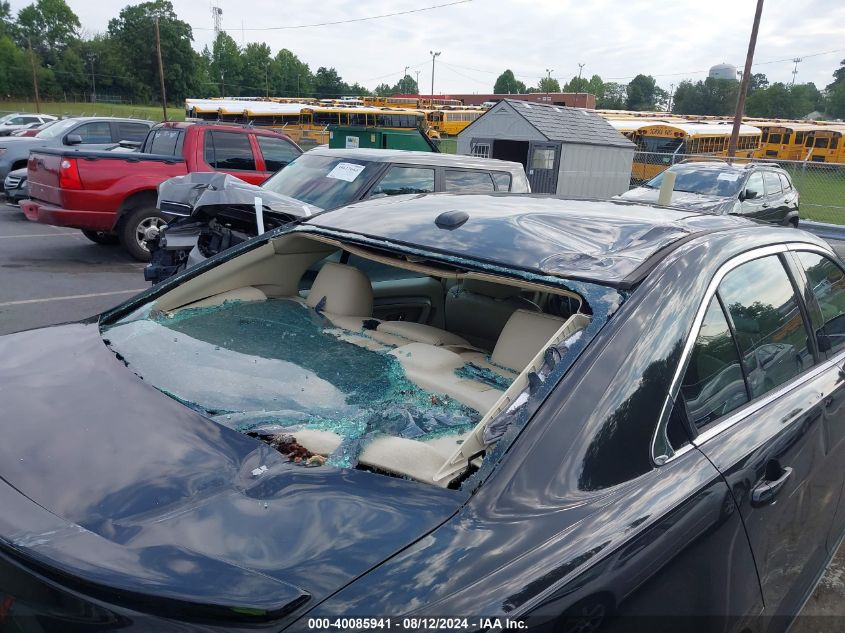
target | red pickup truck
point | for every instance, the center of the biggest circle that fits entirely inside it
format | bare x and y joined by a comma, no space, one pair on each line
111,195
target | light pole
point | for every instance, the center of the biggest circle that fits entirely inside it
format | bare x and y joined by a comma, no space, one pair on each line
433,57
92,58
578,86
549,72
267,80
418,81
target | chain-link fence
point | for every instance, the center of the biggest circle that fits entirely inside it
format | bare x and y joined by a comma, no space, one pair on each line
820,185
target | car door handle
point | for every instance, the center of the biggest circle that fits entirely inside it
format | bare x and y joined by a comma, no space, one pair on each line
765,205
766,491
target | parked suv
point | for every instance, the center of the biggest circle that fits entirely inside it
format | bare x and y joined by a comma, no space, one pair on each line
762,192
78,132
322,179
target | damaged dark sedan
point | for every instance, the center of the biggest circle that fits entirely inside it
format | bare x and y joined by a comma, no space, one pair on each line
469,412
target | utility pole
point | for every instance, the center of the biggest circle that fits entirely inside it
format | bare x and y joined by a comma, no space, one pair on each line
267,80
549,72
34,76
743,85
418,81
578,86
433,57
92,58
671,97
161,72
797,61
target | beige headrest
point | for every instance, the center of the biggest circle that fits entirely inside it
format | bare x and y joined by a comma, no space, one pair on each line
489,289
523,336
347,290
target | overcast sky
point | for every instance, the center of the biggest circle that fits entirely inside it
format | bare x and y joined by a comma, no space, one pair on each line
479,38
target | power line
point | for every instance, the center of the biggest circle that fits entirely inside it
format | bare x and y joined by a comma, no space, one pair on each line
350,20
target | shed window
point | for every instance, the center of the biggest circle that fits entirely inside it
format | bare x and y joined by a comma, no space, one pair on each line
543,158
482,150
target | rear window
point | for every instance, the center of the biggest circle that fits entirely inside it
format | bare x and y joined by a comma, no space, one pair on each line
166,141
277,152
131,131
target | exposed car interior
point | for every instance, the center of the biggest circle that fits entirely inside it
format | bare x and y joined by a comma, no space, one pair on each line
354,356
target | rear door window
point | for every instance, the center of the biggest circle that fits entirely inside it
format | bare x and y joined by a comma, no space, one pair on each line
714,384
277,152
828,285
229,151
784,181
767,322
773,186
131,131
401,180
464,181
95,132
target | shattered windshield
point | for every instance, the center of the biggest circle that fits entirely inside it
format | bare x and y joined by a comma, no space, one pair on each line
277,362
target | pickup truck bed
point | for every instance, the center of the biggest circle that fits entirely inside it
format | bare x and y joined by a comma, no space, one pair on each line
77,188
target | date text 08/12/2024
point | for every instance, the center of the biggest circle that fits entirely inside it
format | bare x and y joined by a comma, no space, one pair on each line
414,624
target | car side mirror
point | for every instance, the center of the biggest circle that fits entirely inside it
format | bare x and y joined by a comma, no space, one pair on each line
73,139
750,194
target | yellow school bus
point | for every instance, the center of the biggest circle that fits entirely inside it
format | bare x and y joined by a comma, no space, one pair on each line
419,103
306,123
785,140
661,144
452,121
825,144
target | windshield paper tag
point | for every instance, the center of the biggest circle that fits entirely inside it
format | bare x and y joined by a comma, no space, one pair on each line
728,177
345,171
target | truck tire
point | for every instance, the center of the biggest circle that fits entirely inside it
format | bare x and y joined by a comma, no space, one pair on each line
101,237
138,226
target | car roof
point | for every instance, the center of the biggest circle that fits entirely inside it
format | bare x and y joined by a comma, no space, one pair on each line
718,165
418,158
107,118
611,242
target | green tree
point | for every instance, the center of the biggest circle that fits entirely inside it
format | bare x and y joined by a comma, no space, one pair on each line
255,69
577,84
757,81
548,84
7,23
327,84
614,96
383,90
642,93
134,34
14,75
407,86
290,76
226,65
507,84
50,24
835,106
709,97
782,101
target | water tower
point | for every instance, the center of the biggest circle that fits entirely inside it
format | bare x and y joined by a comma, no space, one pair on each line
723,71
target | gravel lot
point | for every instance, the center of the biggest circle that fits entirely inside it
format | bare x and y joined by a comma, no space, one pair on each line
52,275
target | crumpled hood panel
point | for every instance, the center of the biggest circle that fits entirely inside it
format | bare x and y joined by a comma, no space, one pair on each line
94,445
683,200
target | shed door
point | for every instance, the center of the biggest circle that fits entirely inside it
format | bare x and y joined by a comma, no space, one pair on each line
543,167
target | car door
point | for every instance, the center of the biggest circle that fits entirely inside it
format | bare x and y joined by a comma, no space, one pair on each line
753,197
232,153
276,152
769,440
790,193
824,280
774,205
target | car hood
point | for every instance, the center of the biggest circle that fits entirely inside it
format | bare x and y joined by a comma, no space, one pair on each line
110,481
682,199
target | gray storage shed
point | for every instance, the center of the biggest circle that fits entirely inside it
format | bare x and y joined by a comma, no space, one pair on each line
568,151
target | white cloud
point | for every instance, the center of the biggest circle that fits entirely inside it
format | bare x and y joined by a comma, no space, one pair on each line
479,39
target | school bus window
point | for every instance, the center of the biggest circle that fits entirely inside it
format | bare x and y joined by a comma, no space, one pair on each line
774,138
809,141
834,142
786,138
799,138
765,137
821,142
